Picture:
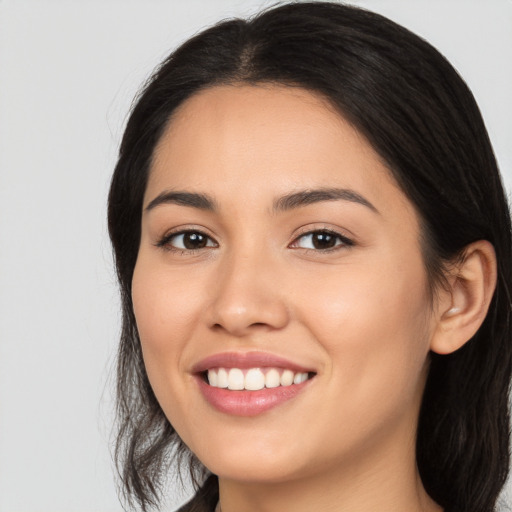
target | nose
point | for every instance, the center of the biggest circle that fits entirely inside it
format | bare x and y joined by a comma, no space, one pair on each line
249,296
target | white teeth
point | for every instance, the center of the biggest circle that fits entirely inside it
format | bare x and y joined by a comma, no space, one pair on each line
287,378
236,379
222,378
253,379
272,379
213,378
300,377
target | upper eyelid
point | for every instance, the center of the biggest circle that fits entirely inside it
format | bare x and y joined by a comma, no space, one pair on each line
307,230
182,230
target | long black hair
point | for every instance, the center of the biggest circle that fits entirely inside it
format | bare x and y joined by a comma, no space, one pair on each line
421,118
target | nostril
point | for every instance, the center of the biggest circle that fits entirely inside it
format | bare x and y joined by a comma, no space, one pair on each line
258,324
239,330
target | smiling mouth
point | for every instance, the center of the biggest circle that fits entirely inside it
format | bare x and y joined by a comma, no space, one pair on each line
252,383
254,379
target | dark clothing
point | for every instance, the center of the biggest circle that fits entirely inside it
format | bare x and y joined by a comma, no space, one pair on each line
205,499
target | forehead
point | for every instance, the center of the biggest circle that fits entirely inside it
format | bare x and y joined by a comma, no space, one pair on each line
264,139
270,116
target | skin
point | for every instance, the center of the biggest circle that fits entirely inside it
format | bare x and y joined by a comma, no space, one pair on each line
359,314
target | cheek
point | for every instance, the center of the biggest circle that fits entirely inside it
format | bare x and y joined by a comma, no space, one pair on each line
374,326
374,332
339,299
166,310
165,303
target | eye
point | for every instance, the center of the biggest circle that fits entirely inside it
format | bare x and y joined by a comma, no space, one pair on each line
187,241
321,240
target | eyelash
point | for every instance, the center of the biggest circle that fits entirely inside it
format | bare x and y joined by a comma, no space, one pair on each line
341,242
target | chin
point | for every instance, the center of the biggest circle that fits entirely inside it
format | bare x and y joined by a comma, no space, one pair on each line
247,460
255,470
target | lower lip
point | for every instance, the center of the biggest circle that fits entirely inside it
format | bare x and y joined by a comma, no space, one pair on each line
249,403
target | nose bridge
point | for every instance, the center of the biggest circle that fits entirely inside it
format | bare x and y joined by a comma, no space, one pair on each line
248,292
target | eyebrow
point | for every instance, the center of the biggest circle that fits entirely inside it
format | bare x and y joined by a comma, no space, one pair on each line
284,203
307,197
192,199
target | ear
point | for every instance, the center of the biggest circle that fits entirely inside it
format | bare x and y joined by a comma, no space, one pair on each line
461,309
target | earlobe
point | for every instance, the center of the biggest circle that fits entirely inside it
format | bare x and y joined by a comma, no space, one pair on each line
471,287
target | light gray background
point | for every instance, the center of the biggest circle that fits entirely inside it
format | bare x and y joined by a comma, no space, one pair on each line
68,72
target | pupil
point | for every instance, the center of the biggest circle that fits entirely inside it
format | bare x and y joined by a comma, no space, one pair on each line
194,241
323,240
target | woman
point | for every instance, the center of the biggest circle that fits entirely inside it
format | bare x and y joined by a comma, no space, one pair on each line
313,247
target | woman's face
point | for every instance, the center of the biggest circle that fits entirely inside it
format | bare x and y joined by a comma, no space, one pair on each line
276,247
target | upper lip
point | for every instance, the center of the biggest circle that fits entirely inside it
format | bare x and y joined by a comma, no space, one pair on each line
247,360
